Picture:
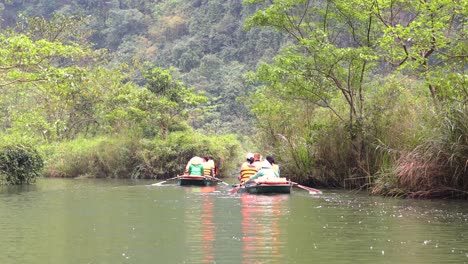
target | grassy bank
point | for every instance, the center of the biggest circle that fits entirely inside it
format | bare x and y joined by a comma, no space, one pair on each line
133,157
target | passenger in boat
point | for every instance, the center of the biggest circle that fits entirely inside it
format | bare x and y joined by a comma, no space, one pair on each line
274,166
248,168
189,163
257,161
266,170
196,168
209,166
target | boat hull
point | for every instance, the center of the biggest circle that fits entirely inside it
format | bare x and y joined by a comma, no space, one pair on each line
196,181
267,188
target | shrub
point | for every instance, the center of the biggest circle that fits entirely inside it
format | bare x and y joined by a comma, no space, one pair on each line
438,167
97,158
19,164
163,158
133,157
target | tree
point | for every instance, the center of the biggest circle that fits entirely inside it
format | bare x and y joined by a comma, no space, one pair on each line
338,47
331,55
174,99
428,39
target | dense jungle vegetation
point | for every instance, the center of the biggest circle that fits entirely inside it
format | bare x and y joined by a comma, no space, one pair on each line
356,94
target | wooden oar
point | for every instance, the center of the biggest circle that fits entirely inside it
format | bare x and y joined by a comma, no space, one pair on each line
235,189
309,189
216,179
160,183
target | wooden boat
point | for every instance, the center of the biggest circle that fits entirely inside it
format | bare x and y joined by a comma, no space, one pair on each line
186,180
267,186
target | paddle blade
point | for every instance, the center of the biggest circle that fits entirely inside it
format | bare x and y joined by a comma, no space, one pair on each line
234,190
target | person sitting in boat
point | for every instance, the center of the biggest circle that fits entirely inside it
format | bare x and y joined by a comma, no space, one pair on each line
189,163
257,161
209,166
265,171
248,168
196,168
274,166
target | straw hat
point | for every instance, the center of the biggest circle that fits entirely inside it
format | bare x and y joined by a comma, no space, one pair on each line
196,160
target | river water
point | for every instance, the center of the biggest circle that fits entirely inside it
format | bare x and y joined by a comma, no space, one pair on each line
120,221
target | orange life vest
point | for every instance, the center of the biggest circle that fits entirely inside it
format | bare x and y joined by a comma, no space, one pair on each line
208,168
247,170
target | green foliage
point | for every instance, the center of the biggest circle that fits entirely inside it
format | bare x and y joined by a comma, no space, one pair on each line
163,34
174,99
25,60
127,156
123,23
19,164
164,158
428,40
66,29
336,62
97,158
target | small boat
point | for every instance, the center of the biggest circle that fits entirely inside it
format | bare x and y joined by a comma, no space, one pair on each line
267,186
187,180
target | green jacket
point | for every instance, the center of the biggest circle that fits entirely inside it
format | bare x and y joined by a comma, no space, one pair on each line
196,170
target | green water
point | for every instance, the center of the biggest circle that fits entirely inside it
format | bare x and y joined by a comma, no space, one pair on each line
108,221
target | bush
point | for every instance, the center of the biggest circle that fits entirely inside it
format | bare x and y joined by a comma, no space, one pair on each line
19,164
133,157
168,157
438,167
97,158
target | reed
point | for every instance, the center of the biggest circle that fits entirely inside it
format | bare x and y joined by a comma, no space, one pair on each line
125,156
438,168
98,158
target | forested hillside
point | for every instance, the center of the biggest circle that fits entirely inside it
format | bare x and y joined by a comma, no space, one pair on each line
203,40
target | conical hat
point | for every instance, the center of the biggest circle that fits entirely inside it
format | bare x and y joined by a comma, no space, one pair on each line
196,160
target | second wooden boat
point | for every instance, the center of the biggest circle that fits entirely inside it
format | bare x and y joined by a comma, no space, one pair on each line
268,186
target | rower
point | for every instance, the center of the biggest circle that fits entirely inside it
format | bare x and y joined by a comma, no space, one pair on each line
248,168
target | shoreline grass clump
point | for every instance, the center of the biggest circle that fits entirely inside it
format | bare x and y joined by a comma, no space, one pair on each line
19,164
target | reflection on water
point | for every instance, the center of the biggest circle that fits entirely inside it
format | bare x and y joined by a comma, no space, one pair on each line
261,232
200,225
259,221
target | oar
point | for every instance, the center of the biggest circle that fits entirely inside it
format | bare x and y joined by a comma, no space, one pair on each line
160,183
309,189
216,179
235,189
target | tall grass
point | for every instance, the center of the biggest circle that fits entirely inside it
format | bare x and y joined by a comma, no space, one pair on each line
439,167
133,157
101,157
168,157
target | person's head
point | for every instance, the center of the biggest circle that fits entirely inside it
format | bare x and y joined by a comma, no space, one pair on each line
256,156
250,157
270,159
206,158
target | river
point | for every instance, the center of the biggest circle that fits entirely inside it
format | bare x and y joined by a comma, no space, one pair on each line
122,221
